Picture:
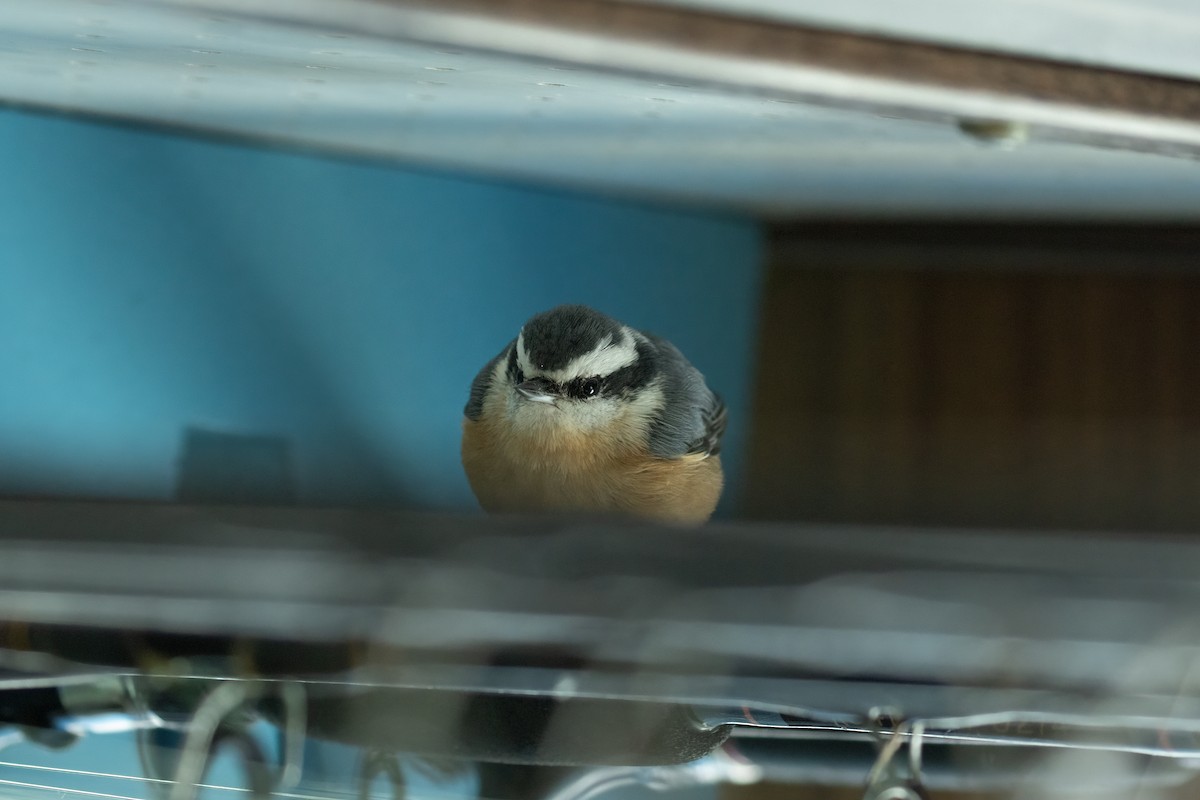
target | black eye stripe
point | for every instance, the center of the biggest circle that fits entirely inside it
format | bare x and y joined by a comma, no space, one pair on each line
584,388
631,377
634,376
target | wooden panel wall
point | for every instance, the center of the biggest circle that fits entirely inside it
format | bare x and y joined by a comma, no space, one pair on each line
980,376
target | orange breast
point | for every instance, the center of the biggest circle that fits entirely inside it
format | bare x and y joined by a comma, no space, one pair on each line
556,472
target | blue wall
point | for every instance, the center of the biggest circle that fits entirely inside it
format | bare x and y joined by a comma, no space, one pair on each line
150,284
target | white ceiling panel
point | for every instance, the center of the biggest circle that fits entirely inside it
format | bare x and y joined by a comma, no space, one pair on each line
306,82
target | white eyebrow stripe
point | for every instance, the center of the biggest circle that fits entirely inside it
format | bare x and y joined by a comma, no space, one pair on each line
522,356
607,358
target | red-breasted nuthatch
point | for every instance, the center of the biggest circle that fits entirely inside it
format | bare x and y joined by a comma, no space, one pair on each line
582,413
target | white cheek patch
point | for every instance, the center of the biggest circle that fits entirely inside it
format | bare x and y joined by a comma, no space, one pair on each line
530,419
644,406
619,422
592,415
541,420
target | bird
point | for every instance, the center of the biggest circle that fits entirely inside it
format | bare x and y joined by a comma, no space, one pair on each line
581,413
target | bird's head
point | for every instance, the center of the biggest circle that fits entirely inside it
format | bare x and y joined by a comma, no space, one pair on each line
573,368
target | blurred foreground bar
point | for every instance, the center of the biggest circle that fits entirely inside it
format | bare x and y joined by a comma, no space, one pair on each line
785,616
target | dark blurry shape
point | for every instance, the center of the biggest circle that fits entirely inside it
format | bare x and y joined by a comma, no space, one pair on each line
514,729
234,468
995,131
992,375
32,707
130,649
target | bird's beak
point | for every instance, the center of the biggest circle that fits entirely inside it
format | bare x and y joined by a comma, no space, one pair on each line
539,390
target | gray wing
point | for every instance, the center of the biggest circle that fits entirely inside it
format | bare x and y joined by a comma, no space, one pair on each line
715,419
483,382
693,417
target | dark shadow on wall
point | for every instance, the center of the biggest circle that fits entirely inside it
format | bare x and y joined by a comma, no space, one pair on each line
231,468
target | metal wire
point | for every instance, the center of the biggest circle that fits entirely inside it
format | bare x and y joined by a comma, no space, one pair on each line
193,760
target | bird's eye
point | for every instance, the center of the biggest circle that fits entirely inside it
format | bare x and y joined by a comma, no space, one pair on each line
583,388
